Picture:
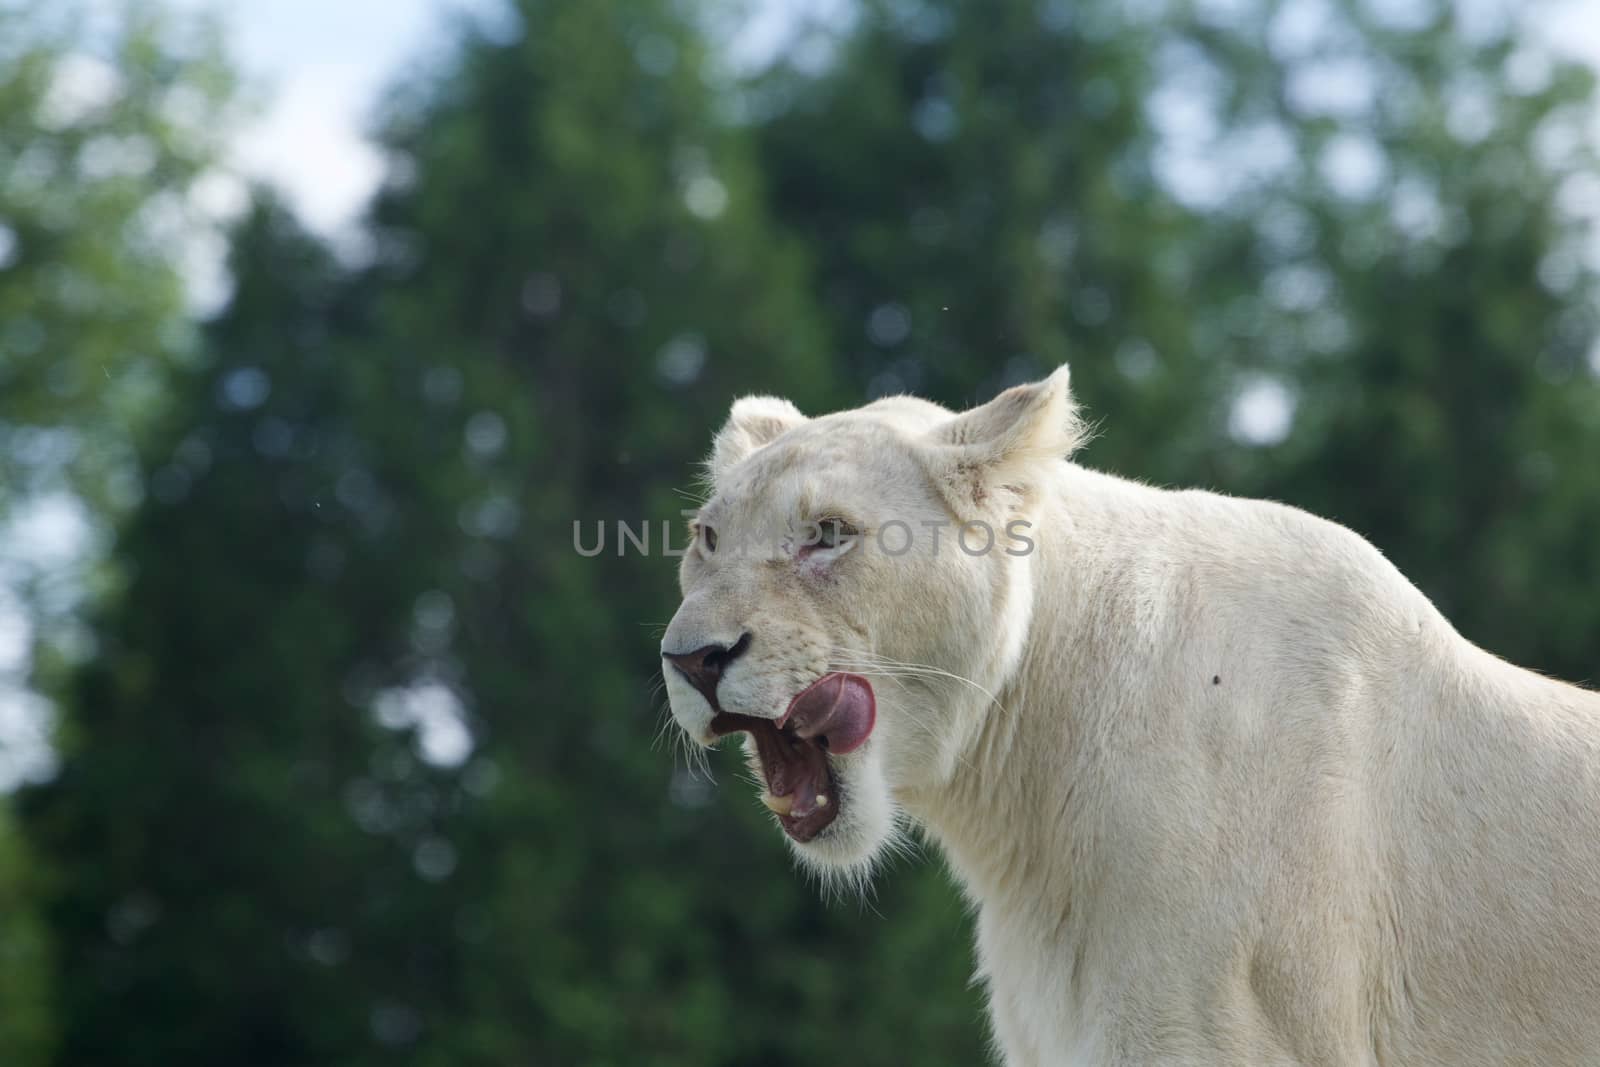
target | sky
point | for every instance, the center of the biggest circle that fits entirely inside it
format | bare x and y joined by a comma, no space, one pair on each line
317,69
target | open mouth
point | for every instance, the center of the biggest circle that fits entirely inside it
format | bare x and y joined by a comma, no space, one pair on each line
831,716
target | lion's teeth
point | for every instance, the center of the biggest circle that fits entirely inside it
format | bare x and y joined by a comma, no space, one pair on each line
780,805
822,800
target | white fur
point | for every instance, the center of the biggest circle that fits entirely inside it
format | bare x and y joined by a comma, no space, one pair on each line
1223,786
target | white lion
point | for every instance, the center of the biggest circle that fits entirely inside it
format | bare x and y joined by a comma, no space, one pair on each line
1223,786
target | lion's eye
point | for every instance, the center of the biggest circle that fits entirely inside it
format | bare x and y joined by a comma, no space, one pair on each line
708,537
834,533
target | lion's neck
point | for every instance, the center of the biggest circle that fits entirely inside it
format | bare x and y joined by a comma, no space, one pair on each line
1010,817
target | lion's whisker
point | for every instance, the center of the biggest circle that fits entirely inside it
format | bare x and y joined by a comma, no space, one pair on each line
871,662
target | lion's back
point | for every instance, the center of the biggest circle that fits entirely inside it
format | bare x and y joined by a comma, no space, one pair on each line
1403,808
1469,792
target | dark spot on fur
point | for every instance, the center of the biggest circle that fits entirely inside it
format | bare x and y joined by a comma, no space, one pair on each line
973,474
1216,679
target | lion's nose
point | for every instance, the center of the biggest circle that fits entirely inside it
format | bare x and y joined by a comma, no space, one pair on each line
704,666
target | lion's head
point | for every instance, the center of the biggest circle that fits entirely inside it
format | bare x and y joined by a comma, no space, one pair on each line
857,590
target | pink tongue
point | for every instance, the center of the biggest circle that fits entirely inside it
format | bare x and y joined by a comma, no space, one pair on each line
839,708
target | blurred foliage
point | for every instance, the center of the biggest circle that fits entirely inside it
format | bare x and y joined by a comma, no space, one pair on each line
362,769
362,522
1427,284
27,1020
980,183
106,126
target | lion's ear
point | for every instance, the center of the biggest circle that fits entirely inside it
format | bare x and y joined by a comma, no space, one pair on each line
997,442
754,423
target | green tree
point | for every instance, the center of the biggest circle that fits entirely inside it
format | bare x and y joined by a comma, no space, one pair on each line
105,130
1423,291
624,288
27,1019
981,188
103,139
364,763
201,864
